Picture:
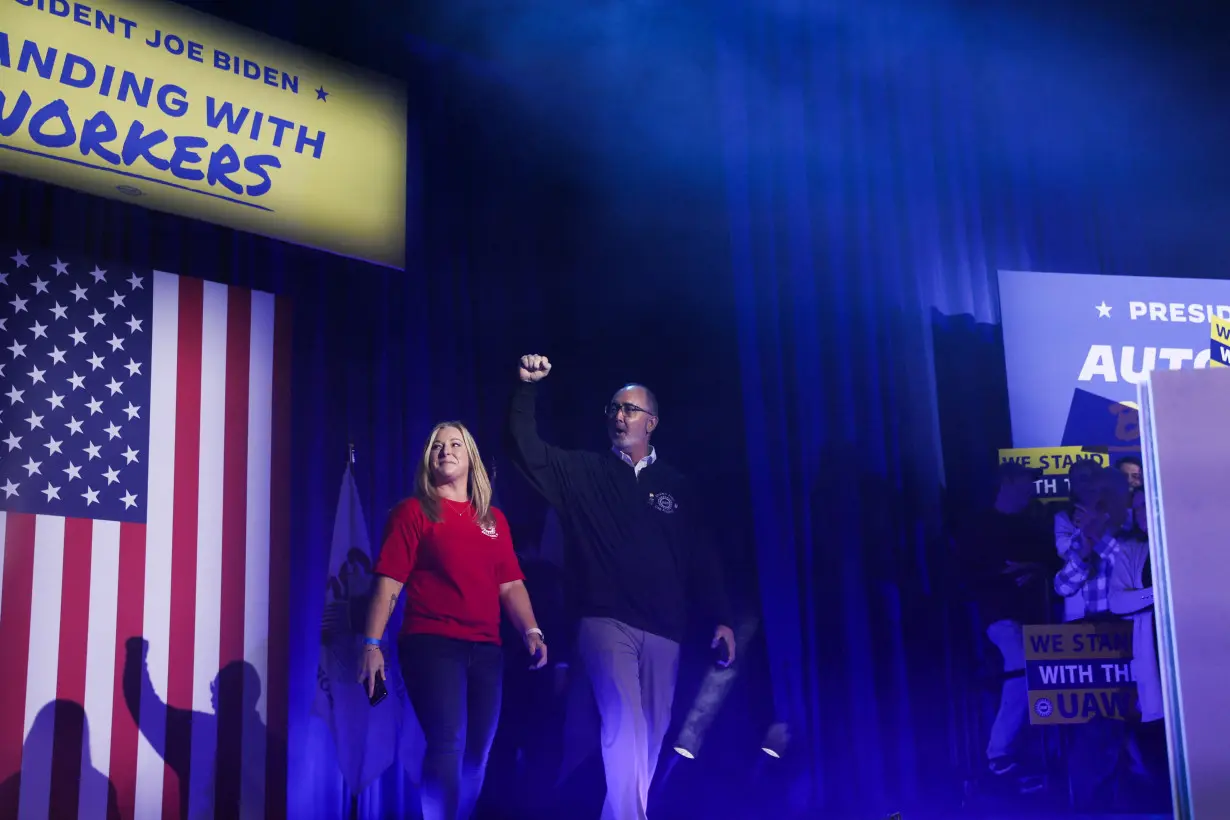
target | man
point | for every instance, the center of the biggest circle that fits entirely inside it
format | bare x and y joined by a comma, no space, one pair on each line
1131,469
1100,512
1096,754
632,555
1009,561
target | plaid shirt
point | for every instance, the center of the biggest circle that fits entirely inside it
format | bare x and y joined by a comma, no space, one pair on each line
1090,577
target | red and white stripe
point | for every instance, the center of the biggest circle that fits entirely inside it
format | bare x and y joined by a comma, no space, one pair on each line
204,581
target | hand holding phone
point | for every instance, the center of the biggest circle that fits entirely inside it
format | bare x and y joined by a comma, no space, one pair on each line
379,690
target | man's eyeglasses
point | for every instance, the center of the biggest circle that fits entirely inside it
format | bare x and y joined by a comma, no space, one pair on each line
612,409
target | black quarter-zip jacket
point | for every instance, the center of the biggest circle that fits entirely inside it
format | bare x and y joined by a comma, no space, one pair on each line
634,548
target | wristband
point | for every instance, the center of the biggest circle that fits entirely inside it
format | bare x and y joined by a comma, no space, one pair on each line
535,631
371,641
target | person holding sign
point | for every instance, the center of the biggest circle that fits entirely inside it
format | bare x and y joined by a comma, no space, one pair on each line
1101,509
1008,559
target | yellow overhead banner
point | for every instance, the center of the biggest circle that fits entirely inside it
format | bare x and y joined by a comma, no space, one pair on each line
156,104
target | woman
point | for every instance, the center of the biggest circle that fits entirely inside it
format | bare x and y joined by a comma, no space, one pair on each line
452,552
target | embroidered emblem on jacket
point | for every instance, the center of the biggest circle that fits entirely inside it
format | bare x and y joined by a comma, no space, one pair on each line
663,502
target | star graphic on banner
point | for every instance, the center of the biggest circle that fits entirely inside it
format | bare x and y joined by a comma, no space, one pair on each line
90,495
61,267
1103,310
72,471
130,455
98,274
21,260
10,489
135,281
52,492
59,312
112,475
40,285
78,292
321,94
13,441
129,500
92,451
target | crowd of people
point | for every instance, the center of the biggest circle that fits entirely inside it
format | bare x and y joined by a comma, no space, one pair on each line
1082,560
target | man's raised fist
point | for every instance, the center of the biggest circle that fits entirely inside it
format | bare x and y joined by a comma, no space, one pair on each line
534,368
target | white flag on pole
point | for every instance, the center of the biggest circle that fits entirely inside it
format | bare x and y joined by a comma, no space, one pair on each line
366,736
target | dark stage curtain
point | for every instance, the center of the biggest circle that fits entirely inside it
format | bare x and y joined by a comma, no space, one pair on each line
882,161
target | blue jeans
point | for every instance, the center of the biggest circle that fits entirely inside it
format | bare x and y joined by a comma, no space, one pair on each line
455,687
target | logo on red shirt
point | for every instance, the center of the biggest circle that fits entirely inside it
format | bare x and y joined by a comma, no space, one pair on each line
489,530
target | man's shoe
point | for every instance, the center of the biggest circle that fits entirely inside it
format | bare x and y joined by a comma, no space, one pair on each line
1001,765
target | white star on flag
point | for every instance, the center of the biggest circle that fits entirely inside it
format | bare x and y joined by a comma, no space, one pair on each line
78,382
78,337
14,442
99,275
92,451
61,267
112,475
32,466
19,304
98,318
59,312
72,471
36,375
116,300
130,455
129,500
135,281
52,492
78,292
116,343
90,495
74,426
40,285
20,260
10,489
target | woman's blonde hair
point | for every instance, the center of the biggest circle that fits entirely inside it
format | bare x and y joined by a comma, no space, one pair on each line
478,485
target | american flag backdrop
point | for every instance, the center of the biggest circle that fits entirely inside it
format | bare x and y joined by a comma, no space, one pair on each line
143,538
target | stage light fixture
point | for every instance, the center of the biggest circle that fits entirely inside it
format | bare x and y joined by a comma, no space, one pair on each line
776,740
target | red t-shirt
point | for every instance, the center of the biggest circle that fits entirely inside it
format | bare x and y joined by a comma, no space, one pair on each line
452,569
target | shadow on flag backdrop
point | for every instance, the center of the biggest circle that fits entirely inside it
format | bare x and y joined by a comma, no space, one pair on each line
1076,345
368,738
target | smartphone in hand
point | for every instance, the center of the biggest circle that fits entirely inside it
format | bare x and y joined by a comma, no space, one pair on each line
379,690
